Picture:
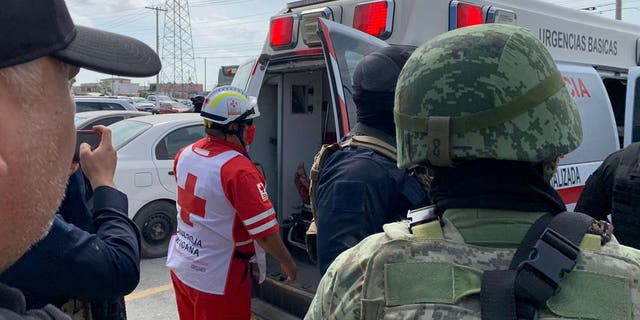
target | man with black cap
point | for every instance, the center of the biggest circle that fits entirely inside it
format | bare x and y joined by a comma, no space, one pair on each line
360,189
41,50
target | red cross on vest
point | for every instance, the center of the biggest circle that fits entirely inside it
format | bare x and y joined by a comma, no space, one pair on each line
189,202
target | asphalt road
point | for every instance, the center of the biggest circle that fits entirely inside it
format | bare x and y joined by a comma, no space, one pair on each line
153,299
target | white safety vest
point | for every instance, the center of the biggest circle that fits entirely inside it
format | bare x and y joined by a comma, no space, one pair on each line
200,252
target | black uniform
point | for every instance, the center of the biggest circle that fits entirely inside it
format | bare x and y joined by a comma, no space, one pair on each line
614,188
12,306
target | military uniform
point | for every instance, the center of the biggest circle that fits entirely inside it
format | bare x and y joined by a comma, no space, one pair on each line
485,109
370,280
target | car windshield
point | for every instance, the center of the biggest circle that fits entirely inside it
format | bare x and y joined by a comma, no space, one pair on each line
125,131
78,120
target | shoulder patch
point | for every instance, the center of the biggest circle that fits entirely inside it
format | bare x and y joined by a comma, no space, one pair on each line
263,191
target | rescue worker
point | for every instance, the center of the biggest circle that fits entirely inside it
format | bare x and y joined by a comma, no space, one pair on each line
614,188
360,189
223,212
485,108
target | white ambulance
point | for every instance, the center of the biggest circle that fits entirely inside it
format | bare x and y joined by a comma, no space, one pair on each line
303,83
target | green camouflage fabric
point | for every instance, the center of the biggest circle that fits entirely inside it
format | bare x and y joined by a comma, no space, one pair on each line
354,286
472,71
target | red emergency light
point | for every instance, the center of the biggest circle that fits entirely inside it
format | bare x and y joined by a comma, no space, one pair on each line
283,32
463,15
374,18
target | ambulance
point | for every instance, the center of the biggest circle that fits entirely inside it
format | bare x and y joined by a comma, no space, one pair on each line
302,80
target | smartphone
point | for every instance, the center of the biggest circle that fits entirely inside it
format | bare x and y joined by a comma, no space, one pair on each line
89,136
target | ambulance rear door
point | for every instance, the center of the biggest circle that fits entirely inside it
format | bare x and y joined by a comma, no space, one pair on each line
632,107
250,75
343,48
599,131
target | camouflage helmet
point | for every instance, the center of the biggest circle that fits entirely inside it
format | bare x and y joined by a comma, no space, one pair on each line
483,92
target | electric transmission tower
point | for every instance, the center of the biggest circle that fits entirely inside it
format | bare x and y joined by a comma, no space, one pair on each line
178,63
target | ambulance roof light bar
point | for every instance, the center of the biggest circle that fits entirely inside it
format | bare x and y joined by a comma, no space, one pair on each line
462,14
374,18
283,32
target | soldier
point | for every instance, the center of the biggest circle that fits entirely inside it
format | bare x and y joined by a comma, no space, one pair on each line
614,189
485,109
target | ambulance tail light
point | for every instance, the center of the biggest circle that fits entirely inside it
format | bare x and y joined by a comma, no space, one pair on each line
283,32
374,18
497,15
463,15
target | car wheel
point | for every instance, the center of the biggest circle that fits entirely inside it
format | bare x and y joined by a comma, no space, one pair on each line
157,222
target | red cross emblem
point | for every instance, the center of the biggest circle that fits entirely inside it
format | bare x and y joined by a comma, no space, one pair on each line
189,202
233,103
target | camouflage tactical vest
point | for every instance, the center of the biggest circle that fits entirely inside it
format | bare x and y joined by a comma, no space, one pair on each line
433,274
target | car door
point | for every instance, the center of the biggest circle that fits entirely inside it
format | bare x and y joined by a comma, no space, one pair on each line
632,107
168,146
343,48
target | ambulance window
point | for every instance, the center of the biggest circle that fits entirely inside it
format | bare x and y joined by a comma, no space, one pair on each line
352,61
617,90
636,112
242,75
298,99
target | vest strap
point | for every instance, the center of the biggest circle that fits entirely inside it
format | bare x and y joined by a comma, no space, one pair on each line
548,252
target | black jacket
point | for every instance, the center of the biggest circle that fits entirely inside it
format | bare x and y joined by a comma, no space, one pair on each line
98,263
359,190
614,188
12,306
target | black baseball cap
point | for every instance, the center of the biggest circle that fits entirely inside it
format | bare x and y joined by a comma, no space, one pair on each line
30,29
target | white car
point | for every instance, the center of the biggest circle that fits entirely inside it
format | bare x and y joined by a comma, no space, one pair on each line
146,148
86,120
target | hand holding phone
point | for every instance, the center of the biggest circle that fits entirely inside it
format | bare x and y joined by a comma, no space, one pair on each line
89,136
98,161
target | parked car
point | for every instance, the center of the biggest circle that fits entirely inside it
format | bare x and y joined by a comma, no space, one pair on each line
186,103
86,120
146,148
84,104
165,107
160,97
143,104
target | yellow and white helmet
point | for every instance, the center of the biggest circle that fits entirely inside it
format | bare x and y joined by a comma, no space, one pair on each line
228,104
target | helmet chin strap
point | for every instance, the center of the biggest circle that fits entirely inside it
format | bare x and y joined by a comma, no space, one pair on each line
239,133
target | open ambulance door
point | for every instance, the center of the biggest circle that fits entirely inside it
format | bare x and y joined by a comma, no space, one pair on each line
632,107
343,48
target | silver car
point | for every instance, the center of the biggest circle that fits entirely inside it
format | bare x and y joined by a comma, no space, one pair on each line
84,104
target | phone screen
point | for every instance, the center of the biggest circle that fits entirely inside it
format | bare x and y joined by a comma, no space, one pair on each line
89,136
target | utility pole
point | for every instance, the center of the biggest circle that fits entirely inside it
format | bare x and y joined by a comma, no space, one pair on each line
157,9
618,9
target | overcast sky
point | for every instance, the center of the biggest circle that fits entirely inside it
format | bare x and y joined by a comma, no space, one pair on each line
228,32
